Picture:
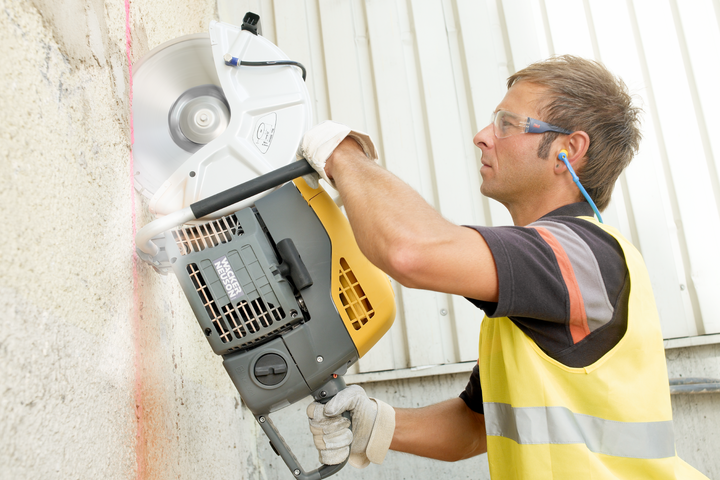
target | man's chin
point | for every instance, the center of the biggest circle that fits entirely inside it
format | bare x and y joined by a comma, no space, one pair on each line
486,190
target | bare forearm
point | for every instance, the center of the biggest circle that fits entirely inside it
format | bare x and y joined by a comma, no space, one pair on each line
448,431
404,236
384,211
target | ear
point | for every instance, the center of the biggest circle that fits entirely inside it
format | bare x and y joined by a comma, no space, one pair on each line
576,144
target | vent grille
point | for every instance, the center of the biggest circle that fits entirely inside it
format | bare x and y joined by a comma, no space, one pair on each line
250,317
245,318
210,306
356,304
196,238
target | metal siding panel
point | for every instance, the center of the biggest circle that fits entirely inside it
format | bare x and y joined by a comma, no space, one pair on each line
424,332
542,28
523,37
524,45
493,43
616,213
572,33
398,333
396,148
389,353
300,37
455,167
481,39
702,33
369,95
404,152
648,195
292,30
444,129
318,82
342,63
569,28
267,19
686,158
420,90
500,42
469,164
403,147
482,90
447,160
467,320
486,68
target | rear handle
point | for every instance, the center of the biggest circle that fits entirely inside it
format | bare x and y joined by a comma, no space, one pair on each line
323,395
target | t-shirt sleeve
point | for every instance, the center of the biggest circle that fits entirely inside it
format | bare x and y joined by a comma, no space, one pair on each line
472,395
530,283
563,282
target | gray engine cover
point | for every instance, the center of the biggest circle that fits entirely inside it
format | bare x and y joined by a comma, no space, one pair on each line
284,362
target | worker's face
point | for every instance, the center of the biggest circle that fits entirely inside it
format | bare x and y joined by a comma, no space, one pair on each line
511,169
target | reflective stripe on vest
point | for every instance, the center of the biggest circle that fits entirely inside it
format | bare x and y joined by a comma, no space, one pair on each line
558,425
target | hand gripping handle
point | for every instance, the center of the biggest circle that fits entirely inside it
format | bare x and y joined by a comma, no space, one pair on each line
322,395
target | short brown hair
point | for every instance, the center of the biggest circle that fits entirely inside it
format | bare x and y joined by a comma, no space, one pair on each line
584,95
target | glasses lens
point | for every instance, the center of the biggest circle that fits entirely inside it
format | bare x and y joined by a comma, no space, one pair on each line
493,118
506,124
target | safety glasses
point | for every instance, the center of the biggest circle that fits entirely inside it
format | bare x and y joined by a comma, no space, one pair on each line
506,124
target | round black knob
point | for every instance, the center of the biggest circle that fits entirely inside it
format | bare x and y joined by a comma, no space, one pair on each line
270,369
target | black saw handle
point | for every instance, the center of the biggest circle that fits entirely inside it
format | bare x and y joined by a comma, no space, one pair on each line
252,187
323,395
148,250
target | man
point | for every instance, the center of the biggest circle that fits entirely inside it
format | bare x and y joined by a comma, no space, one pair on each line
571,379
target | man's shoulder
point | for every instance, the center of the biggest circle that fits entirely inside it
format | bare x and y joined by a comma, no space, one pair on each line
565,227
568,230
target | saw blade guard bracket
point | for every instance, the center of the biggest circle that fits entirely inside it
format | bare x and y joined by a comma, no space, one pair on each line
203,126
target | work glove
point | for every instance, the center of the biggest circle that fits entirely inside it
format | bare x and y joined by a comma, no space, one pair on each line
321,141
373,425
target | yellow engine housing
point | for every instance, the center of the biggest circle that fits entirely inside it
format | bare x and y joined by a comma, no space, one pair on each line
362,293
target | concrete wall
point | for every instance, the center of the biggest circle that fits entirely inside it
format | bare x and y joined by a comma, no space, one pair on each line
103,371
697,417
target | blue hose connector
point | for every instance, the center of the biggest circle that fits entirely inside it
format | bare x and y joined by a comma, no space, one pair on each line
230,60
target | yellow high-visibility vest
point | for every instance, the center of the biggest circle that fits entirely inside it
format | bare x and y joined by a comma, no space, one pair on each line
612,419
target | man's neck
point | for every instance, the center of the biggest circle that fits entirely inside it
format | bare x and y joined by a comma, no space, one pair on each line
528,212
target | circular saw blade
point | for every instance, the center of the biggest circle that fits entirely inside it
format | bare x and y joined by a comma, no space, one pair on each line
159,80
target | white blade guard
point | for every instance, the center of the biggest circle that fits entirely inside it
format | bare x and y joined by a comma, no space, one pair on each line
203,126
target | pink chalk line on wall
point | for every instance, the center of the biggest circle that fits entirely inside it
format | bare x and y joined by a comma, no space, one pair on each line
140,456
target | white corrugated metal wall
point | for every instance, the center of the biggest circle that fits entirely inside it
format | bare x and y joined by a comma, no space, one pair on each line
422,76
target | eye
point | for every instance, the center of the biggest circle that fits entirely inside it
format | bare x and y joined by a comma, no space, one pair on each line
502,120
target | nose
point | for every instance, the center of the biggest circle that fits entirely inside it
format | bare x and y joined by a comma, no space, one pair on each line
485,138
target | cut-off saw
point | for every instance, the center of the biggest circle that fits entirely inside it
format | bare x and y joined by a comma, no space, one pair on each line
268,264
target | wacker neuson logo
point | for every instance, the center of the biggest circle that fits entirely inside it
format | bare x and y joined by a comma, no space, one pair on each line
227,277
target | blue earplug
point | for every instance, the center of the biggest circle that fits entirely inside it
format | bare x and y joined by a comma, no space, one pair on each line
563,156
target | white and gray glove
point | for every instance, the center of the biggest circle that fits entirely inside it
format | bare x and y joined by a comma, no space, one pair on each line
321,141
373,425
